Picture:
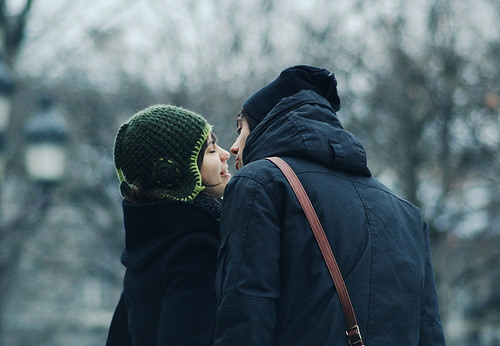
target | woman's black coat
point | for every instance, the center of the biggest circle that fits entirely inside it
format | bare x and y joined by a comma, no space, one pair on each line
170,256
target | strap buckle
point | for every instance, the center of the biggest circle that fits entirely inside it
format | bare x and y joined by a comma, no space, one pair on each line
354,335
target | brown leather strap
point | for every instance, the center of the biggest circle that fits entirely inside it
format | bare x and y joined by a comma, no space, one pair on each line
353,334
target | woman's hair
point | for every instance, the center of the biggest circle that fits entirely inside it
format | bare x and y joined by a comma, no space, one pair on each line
137,194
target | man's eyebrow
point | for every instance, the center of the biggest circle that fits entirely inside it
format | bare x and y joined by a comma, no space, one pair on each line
238,122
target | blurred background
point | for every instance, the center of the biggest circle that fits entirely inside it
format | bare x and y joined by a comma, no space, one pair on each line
420,86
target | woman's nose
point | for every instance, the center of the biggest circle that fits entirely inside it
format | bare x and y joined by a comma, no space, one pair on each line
225,155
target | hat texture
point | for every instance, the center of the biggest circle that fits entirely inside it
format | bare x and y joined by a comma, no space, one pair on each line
158,148
289,82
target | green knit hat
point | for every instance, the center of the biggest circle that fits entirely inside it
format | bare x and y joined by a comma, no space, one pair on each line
158,147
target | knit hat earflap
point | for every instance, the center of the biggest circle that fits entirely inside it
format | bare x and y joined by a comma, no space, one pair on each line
289,82
158,147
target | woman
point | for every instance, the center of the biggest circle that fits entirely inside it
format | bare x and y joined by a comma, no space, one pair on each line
172,175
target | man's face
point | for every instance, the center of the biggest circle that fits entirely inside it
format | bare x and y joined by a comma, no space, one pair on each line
239,144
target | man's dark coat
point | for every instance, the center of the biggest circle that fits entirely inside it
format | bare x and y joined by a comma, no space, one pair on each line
273,287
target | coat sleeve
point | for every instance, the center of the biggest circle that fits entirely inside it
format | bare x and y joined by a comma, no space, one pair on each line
248,277
188,305
431,329
118,334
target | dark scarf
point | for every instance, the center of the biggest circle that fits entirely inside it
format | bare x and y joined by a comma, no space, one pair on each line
210,204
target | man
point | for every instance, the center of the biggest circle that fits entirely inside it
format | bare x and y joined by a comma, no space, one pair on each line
273,286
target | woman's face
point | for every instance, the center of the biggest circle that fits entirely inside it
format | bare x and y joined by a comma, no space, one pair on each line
214,169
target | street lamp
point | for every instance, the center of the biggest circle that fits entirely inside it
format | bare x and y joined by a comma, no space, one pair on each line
46,134
7,85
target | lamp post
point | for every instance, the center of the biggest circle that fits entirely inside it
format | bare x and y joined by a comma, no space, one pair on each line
45,159
7,85
46,135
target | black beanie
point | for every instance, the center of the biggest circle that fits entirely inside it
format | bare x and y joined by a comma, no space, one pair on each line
289,82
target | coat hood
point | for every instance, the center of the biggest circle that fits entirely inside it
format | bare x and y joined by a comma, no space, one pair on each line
305,125
151,228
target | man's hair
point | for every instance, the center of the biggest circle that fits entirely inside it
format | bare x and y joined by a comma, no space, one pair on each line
250,121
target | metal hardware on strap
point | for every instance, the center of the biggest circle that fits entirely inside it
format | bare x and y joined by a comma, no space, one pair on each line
354,336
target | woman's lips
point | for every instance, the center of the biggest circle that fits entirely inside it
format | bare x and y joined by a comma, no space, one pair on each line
225,173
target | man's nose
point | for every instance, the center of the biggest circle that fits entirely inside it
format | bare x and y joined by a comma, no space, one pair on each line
234,149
